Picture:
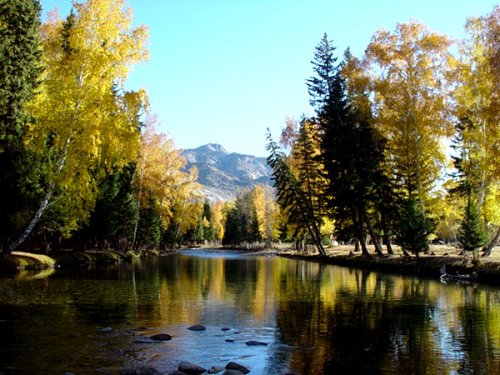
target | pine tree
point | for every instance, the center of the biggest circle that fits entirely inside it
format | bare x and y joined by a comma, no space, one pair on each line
413,228
19,77
472,234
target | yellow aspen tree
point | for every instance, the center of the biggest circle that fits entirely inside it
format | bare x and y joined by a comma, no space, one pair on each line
477,109
218,215
268,214
407,71
86,123
161,178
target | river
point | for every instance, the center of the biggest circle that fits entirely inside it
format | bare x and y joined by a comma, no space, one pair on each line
314,319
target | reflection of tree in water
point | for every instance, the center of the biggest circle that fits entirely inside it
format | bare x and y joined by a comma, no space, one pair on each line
477,339
365,331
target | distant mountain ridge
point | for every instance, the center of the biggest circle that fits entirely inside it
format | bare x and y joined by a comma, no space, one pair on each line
223,174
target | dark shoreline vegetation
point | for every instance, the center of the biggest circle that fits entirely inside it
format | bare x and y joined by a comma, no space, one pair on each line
426,266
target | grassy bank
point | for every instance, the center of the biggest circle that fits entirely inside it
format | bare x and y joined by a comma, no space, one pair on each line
427,265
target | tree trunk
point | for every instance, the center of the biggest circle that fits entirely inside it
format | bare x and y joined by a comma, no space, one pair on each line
487,249
387,238
358,227
378,249
45,201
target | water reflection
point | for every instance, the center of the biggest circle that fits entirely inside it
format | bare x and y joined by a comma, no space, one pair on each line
315,319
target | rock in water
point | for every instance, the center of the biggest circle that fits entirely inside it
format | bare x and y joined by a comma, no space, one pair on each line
255,343
140,371
238,367
191,368
161,337
197,327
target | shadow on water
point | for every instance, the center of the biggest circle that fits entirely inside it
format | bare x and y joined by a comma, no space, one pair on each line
315,319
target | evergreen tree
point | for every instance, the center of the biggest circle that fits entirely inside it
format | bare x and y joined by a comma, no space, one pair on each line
413,228
113,218
472,234
294,201
351,150
19,77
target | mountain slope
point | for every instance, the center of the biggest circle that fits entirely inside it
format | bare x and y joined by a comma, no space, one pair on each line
222,174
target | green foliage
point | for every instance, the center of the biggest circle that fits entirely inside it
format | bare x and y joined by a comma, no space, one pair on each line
19,77
413,228
351,149
114,216
296,199
472,233
149,231
241,225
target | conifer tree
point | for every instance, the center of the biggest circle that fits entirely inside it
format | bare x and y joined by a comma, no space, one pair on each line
350,151
20,63
296,202
472,234
413,228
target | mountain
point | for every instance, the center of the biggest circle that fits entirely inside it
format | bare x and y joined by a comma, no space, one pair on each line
222,174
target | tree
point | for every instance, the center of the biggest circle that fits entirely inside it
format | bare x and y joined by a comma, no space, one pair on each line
413,228
477,100
268,214
472,234
296,203
241,222
351,152
20,59
408,81
162,182
86,123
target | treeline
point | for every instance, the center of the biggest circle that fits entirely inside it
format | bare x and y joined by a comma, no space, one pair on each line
373,159
82,163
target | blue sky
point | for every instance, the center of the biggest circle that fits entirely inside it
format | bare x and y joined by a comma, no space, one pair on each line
222,71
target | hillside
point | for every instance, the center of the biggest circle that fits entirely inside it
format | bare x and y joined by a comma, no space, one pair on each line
222,174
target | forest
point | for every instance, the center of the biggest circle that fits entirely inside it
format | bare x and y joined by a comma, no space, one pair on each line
403,147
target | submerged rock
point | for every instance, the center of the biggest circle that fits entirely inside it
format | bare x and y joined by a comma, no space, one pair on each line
106,330
143,370
256,343
238,367
232,372
215,370
197,327
191,368
161,337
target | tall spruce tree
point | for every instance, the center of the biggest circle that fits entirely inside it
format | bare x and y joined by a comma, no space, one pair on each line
350,149
20,57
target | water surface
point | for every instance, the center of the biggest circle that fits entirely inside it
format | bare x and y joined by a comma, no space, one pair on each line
315,319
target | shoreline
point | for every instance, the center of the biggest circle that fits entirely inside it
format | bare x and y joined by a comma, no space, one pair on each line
428,266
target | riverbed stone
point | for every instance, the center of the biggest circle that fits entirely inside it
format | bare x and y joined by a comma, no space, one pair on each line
161,337
197,327
106,330
142,370
215,370
232,372
256,343
191,368
237,366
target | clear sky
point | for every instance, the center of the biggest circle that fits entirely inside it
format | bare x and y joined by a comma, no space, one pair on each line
222,71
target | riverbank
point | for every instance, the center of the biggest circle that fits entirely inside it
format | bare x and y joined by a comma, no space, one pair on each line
427,265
